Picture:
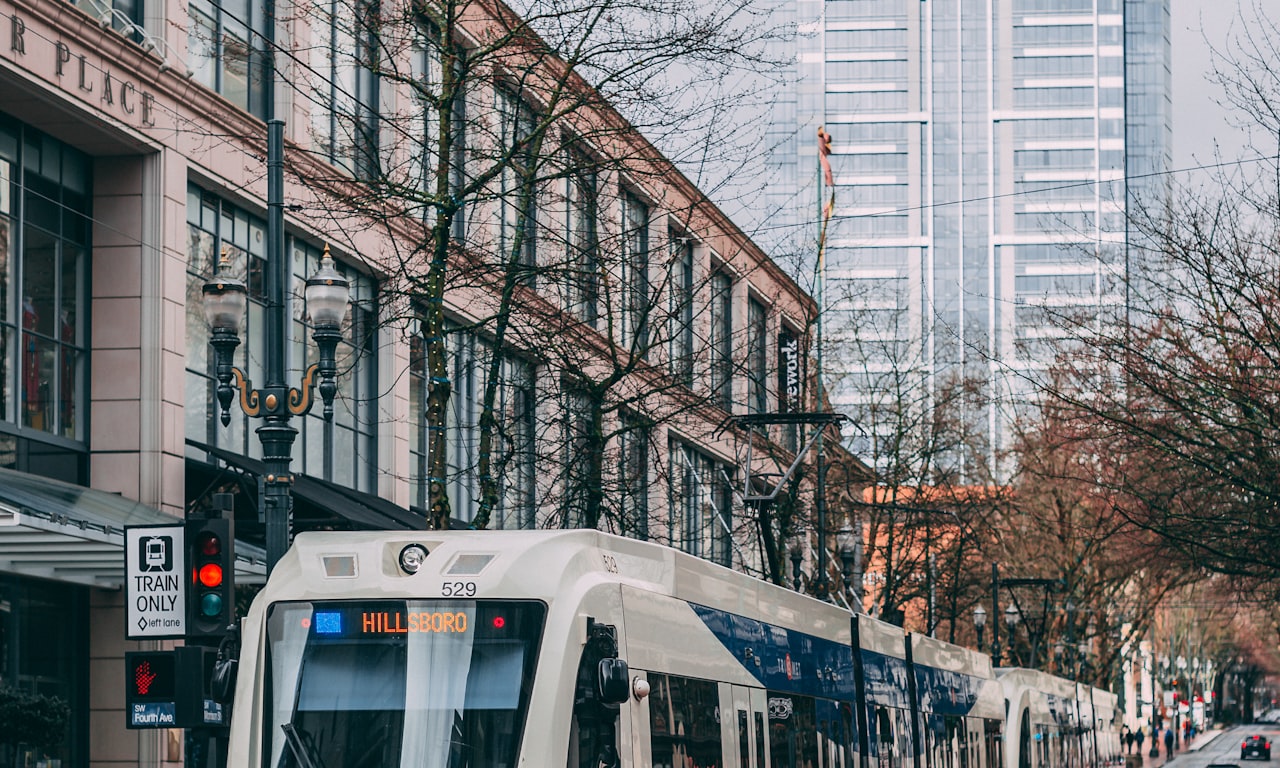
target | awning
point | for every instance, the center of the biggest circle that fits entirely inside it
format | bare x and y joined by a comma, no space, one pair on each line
318,504
55,530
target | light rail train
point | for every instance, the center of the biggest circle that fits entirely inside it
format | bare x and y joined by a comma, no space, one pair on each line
496,649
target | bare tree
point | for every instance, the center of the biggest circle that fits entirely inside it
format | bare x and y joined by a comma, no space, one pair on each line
484,146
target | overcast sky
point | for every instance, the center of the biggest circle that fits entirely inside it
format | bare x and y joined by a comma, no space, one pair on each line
1198,120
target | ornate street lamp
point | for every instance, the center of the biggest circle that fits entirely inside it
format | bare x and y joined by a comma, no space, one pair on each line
795,552
847,549
327,295
980,623
1011,618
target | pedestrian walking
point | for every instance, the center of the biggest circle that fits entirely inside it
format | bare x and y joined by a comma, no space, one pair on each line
1168,742
1141,737
1128,741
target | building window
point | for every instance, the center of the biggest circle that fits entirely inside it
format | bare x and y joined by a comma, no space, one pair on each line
44,628
228,51
513,447
216,227
428,61
633,471
517,207
125,15
681,309
701,499
348,456
45,190
577,439
347,55
720,340
635,272
583,237
757,373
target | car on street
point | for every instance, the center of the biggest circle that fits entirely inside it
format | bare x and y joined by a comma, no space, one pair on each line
1255,746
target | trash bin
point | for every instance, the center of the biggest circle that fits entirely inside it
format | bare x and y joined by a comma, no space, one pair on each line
1133,761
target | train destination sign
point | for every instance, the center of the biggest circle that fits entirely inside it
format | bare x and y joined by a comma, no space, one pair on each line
329,622
155,582
394,622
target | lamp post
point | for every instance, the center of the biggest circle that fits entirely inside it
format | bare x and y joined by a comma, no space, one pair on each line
795,552
225,302
1011,622
980,623
848,547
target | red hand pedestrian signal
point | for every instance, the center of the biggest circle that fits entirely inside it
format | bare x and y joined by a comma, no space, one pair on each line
143,677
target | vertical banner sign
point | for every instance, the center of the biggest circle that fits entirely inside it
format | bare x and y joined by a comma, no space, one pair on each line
789,372
155,582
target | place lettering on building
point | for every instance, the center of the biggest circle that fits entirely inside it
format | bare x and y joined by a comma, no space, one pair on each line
76,73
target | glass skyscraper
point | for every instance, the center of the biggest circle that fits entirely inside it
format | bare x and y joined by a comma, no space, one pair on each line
985,153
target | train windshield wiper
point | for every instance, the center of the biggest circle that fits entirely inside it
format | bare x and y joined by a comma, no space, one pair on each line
301,751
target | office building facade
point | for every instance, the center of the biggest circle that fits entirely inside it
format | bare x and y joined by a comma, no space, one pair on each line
986,154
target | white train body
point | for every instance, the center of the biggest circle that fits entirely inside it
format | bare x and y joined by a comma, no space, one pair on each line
507,649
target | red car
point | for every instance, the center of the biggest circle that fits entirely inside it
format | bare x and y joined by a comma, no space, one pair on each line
1255,746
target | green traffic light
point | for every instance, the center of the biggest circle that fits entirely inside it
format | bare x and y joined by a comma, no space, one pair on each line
211,604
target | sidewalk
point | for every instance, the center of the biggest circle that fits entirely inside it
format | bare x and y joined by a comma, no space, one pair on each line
1198,743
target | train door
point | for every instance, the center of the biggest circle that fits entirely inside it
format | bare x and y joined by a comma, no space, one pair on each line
749,718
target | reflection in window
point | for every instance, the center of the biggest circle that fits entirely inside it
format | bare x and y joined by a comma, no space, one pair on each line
44,209
514,405
583,236
633,469
346,123
216,227
684,722
701,505
518,207
721,340
635,273
227,46
681,308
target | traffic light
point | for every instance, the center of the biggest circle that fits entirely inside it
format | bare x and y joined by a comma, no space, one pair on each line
211,587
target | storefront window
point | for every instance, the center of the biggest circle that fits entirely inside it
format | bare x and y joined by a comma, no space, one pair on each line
44,258
42,673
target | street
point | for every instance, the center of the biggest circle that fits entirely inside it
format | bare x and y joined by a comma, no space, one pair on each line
1217,748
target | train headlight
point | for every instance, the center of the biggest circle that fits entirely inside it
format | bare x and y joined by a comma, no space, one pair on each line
412,557
639,688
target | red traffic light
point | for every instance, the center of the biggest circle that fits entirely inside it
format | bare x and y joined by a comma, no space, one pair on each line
210,545
210,575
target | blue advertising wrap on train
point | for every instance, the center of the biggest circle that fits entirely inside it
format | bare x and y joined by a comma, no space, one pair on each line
945,692
783,659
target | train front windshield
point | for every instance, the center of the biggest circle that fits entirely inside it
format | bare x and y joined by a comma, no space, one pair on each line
383,683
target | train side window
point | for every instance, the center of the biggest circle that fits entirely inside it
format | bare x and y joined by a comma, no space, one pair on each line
744,739
886,755
684,722
793,731
760,757
835,733
995,744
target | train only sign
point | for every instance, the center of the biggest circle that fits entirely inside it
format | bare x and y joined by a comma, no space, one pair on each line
155,582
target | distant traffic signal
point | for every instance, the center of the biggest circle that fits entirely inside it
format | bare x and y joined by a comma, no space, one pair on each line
211,588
